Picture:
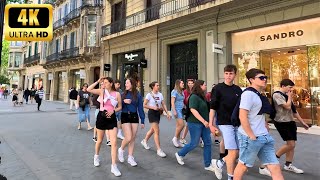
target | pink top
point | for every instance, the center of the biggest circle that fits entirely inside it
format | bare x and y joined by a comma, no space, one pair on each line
109,102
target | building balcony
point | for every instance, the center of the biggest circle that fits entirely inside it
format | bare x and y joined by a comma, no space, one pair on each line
92,3
58,23
72,15
52,57
69,53
32,59
158,11
49,2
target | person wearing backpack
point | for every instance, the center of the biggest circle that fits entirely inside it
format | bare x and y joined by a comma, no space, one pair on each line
253,132
198,123
224,97
84,100
285,124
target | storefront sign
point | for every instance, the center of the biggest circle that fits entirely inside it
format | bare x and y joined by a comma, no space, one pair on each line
143,63
217,48
107,67
50,76
36,75
82,74
300,33
130,57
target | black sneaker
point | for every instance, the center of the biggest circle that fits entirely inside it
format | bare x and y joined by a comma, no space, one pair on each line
108,143
217,142
94,139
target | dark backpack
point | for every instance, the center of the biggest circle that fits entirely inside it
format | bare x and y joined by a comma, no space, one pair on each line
274,112
266,107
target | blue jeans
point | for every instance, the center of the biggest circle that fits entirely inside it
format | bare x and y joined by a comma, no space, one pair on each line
198,130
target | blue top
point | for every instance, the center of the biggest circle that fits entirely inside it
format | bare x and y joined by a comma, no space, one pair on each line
134,106
178,103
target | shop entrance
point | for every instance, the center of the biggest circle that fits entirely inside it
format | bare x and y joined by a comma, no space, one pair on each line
300,64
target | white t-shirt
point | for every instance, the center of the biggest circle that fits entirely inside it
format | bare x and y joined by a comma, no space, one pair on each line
251,101
158,98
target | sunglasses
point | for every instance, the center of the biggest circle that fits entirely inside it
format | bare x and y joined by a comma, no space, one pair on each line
262,77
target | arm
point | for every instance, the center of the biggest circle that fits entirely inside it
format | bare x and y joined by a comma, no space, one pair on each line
212,121
165,109
173,107
78,100
199,117
140,109
91,89
119,107
280,100
243,115
145,104
297,115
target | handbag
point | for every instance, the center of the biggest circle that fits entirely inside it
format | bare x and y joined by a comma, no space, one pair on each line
160,108
82,102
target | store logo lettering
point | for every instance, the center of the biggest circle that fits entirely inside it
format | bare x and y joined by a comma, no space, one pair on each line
281,35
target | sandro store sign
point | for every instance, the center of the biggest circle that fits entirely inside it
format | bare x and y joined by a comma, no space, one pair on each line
298,33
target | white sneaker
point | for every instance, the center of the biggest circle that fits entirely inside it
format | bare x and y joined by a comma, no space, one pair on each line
131,161
96,160
264,171
120,136
161,153
115,170
175,142
120,155
179,159
292,168
210,168
217,170
144,144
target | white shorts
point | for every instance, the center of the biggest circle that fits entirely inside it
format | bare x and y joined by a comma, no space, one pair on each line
230,137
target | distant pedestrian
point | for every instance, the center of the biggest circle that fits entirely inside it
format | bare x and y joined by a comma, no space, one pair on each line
5,94
26,95
32,95
14,97
39,96
117,85
20,96
110,103
73,98
155,103
84,101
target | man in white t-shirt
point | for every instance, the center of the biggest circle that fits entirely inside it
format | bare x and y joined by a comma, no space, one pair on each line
254,138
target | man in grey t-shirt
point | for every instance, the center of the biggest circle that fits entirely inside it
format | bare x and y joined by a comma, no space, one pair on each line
285,124
253,135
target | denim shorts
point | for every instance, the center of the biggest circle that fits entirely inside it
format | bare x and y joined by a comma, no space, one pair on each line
263,147
118,115
229,135
179,114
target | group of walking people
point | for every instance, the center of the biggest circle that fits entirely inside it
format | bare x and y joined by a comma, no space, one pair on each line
235,114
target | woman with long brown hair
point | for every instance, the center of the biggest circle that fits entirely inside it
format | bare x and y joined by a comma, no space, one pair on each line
198,123
156,105
177,98
110,103
132,106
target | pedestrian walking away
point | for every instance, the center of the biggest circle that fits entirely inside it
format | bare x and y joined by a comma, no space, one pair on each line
177,98
285,112
186,92
132,110
254,138
84,101
156,105
73,98
198,123
39,96
224,97
110,103
26,95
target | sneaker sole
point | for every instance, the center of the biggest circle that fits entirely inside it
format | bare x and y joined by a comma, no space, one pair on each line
176,154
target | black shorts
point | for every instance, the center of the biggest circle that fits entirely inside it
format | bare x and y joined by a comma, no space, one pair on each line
287,130
129,117
104,123
154,116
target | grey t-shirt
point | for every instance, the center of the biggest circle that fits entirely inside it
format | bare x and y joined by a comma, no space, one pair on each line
251,101
283,114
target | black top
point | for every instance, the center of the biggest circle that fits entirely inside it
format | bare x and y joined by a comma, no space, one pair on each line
27,93
73,94
223,99
84,95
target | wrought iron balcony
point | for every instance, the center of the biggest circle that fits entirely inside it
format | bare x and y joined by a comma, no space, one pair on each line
58,23
69,53
32,59
72,15
52,57
92,3
49,2
155,12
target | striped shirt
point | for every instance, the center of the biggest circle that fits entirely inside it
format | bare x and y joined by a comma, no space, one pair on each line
41,93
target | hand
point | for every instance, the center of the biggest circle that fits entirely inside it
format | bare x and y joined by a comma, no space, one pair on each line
289,94
100,79
267,126
127,101
142,126
168,116
155,108
213,129
253,138
175,113
305,126
109,114
206,124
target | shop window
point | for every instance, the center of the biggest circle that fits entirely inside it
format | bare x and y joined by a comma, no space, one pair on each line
17,59
244,62
35,48
65,40
92,19
72,38
11,60
30,49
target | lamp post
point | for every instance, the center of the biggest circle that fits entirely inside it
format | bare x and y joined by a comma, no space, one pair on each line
2,6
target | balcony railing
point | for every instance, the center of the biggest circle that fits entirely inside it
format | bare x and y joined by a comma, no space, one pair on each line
52,57
72,15
49,2
92,3
31,59
155,12
69,53
58,23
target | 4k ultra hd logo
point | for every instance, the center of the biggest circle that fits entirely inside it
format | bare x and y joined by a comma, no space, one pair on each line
28,22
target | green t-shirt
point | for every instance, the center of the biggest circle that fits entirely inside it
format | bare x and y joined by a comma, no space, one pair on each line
199,104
